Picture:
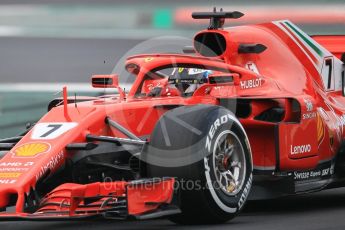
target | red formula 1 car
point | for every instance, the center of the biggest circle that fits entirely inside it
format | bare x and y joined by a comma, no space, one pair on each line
256,111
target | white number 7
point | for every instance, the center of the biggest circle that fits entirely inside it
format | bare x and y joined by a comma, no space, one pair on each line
48,131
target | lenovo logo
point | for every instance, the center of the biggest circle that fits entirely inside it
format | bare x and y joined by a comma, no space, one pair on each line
300,149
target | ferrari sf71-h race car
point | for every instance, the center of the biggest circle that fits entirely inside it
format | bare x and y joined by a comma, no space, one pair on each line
251,112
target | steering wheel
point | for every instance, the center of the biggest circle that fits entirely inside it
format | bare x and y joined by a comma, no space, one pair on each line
170,92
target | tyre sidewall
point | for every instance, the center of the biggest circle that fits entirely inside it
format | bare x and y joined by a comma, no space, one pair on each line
228,203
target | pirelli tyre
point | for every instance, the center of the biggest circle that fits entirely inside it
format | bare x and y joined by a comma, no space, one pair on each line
206,148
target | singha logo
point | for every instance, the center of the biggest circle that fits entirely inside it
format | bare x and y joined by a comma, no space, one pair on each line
308,104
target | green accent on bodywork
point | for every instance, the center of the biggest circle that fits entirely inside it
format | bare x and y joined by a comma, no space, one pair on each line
162,18
308,41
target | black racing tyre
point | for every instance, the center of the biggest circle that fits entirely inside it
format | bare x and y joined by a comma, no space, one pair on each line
206,149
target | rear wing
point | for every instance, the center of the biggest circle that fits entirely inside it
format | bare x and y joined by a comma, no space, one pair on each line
333,43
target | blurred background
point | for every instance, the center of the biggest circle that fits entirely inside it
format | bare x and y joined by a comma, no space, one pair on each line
46,44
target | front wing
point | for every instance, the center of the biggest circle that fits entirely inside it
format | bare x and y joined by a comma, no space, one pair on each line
140,199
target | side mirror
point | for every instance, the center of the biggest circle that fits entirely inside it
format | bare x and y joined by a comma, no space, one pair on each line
105,81
108,81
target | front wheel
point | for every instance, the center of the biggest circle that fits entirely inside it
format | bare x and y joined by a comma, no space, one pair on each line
209,154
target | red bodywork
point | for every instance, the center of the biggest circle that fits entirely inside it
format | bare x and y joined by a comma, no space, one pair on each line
294,74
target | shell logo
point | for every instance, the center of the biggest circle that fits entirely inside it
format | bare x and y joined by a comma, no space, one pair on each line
31,149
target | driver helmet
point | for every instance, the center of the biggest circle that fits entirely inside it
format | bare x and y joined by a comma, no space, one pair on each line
187,80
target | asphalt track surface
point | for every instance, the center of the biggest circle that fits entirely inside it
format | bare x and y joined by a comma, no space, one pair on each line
74,60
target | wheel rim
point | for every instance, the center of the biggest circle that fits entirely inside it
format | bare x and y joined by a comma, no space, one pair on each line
229,162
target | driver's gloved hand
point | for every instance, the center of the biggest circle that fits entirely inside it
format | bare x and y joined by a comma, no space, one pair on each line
155,92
